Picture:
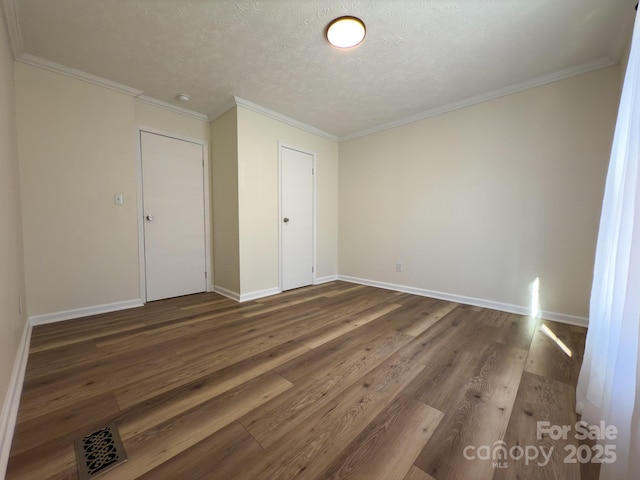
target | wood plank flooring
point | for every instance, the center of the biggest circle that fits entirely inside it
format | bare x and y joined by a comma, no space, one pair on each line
335,381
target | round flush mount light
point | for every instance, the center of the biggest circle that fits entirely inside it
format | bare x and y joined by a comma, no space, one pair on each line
183,97
346,32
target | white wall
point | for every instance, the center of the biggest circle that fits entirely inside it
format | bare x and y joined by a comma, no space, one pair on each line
12,323
258,137
224,194
481,201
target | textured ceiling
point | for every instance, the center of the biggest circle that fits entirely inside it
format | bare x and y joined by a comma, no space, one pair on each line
418,55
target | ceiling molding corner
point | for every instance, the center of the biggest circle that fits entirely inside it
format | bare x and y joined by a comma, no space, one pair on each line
226,106
467,102
10,8
173,108
241,102
32,60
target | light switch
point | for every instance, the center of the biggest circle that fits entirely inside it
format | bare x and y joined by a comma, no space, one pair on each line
118,199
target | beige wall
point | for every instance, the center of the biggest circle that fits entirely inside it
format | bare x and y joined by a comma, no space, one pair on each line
624,60
77,148
11,265
258,137
224,189
481,201
171,122
477,202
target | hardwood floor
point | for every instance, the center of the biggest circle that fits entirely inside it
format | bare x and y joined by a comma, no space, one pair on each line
335,381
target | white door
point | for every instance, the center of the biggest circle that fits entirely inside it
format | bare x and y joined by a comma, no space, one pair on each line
296,202
174,222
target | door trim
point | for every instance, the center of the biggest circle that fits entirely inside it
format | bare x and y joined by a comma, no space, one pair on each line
207,214
282,145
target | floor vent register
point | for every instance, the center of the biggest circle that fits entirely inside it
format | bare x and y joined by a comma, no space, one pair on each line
99,452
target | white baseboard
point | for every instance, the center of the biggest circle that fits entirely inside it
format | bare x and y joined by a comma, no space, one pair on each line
565,318
245,297
9,413
84,312
226,293
478,302
330,278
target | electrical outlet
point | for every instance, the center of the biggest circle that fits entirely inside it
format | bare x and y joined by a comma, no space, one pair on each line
398,267
118,199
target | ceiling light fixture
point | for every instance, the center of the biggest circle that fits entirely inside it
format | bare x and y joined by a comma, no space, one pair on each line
346,32
183,97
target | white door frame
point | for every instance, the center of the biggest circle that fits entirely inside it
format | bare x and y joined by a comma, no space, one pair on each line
207,215
282,145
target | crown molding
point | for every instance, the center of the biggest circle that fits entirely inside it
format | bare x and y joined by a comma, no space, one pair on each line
518,87
32,60
29,59
15,37
13,26
174,108
241,102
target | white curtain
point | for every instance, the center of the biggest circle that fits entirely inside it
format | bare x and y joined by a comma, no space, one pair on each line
609,382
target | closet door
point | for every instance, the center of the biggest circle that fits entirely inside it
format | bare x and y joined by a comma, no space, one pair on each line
174,216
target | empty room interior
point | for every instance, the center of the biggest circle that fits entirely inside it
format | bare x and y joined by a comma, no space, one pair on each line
233,247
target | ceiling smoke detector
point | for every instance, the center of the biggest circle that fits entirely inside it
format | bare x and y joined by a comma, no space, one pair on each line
183,97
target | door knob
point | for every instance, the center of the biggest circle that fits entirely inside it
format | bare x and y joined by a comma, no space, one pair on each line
285,220
150,218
